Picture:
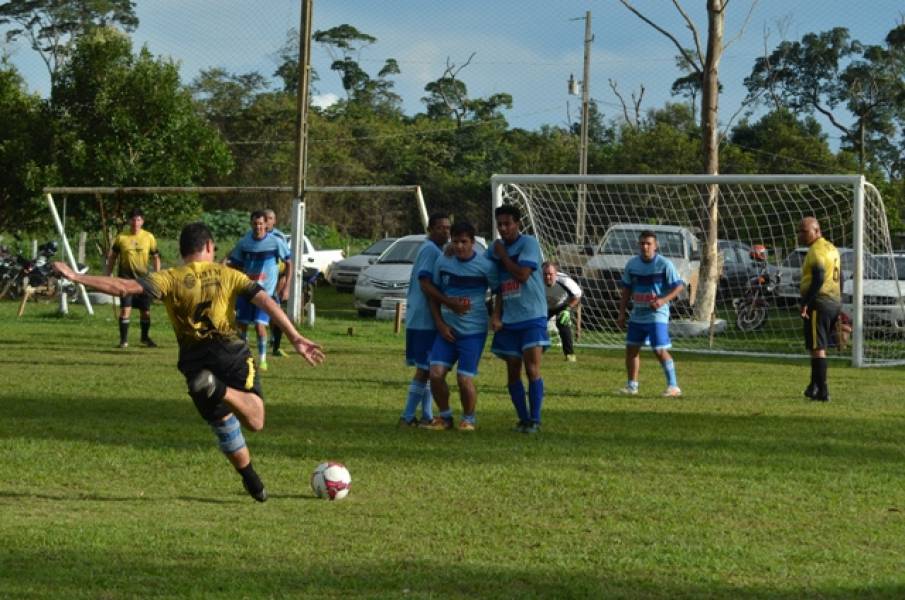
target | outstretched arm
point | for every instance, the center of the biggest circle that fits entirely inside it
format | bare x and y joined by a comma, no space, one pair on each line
115,286
310,350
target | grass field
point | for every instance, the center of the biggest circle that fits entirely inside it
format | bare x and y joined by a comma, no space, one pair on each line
112,487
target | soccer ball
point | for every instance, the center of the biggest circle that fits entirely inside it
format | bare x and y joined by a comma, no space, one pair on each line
331,480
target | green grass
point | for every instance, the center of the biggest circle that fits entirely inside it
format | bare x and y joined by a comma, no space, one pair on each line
112,486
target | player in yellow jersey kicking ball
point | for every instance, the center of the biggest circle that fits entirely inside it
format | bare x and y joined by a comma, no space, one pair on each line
200,297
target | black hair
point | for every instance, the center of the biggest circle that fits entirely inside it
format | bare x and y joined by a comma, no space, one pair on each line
437,216
258,214
647,233
193,238
462,227
136,212
508,209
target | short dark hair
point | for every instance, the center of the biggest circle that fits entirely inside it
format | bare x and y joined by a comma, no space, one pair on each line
193,238
647,233
437,216
258,214
508,209
550,263
462,227
136,212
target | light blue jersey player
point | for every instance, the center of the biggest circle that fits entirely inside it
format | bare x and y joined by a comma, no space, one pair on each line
651,282
257,254
420,329
520,315
463,278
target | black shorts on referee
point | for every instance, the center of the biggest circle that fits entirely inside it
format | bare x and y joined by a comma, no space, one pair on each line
818,328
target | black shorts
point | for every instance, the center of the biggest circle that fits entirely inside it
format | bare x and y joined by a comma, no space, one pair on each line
230,361
818,328
139,301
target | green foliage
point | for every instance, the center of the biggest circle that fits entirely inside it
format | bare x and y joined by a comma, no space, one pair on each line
226,223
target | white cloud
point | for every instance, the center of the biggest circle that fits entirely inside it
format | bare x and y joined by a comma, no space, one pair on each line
324,100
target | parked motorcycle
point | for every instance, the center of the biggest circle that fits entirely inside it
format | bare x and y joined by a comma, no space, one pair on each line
18,273
751,310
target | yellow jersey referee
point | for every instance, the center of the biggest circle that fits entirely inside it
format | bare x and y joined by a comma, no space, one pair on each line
820,301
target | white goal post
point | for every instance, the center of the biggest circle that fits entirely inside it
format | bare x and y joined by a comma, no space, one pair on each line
297,217
589,224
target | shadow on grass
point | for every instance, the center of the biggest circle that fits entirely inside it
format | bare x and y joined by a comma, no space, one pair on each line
785,442
95,573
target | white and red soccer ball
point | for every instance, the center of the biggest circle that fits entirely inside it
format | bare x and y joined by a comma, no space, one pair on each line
331,480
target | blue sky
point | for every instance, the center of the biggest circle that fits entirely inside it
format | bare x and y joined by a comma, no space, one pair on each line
527,48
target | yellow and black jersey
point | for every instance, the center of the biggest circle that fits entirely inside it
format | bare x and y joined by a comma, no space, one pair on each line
201,299
134,252
822,255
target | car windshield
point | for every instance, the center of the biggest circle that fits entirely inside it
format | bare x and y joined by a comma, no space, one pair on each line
887,268
377,248
401,253
625,241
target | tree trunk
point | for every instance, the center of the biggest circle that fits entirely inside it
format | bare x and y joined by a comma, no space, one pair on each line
708,276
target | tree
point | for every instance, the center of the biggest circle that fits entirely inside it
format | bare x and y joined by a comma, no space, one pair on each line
829,73
344,43
24,163
706,66
125,119
51,26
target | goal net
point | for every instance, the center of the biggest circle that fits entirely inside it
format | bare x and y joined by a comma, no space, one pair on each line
590,226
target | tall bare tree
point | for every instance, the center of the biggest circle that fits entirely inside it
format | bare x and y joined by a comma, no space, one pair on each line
706,64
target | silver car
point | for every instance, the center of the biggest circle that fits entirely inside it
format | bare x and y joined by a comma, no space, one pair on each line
883,289
345,272
389,276
790,271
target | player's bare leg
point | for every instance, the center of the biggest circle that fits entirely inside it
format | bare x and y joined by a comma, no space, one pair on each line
669,371
248,407
468,395
440,392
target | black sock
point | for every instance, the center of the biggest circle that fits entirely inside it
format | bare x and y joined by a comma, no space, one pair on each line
145,326
820,376
123,331
251,479
814,371
277,334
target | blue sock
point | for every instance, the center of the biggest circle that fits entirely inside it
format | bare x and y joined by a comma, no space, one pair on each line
262,349
469,418
427,404
446,414
669,369
416,393
517,394
536,398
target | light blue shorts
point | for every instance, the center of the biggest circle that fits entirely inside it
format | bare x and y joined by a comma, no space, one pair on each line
657,334
418,343
246,312
466,350
514,342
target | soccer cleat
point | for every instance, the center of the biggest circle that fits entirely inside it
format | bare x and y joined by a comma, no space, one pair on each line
262,366
280,353
148,342
811,391
672,391
438,424
255,488
123,345
403,422
466,426
571,358
531,427
520,426
821,395
628,391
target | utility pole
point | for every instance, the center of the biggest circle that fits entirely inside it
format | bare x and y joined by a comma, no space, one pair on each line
296,295
585,108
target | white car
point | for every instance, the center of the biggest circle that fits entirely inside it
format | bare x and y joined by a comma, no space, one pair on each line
345,273
389,276
883,289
